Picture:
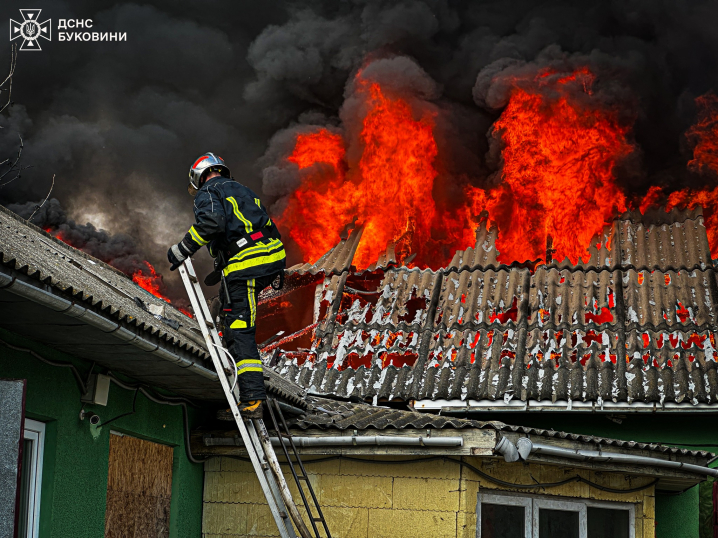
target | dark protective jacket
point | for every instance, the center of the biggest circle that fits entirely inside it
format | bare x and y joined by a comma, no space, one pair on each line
230,218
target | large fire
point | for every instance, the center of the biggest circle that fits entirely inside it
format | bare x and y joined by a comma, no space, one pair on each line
149,280
558,179
704,137
388,189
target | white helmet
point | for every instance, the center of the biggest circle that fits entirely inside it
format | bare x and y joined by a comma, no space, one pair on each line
202,165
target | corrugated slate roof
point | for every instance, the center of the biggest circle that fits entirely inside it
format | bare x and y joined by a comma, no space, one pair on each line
28,249
633,323
338,259
90,310
337,415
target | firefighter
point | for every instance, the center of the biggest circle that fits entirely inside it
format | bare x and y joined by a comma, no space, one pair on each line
249,255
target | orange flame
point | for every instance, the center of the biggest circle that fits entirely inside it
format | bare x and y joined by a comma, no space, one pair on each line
704,136
150,282
559,156
389,189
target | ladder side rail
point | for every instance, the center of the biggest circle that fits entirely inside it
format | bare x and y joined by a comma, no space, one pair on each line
301,466
282,443
196,302
261,432
283,511
207,322
259,471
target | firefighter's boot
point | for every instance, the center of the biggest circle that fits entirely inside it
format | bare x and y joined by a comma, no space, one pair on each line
251,409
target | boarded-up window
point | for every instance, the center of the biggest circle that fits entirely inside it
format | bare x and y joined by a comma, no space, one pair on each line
139,488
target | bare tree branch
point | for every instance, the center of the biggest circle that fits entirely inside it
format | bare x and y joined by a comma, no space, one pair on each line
8,78
13,166
10,167
37,207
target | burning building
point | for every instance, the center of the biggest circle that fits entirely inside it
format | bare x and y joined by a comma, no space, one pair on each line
633,325
623,342
118,372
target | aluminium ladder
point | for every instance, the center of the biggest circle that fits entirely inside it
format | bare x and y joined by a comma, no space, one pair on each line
253,432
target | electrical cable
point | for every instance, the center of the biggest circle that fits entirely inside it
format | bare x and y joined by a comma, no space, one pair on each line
134,401
159,400
171,400
487,477
75,371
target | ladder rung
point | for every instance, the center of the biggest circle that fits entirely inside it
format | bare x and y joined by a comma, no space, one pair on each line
302,477
319,519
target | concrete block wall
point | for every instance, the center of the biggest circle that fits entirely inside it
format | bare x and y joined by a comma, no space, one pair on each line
432,499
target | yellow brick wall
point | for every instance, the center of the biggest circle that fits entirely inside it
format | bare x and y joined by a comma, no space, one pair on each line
435,499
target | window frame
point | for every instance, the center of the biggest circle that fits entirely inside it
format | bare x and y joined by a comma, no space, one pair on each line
511,500
563,505
34,431
532,503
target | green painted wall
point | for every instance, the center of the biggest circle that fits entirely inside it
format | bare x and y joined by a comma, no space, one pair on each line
76,459
677,516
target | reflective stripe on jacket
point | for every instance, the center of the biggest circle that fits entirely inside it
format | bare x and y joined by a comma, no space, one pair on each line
226,212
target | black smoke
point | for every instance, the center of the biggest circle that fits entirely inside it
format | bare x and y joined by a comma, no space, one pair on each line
120,250
119,123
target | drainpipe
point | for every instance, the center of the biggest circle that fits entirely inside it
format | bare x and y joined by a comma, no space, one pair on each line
355,440
595,455
70,308
526,448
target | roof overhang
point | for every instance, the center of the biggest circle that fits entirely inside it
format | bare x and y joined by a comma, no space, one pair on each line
44,314
460,407
474,442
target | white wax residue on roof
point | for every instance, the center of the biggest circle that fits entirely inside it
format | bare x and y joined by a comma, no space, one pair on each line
386,292
708,349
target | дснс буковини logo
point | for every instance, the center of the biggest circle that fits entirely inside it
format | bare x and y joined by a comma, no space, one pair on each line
30,30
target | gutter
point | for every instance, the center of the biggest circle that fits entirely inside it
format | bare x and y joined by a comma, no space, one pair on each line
525,448
354,440
463,408
14,283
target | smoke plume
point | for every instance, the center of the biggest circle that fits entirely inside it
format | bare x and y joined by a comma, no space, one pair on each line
119,123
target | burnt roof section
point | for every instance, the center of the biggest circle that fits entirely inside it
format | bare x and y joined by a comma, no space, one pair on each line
633,323
338,259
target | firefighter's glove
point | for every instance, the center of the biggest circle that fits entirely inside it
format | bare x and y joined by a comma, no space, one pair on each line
177,254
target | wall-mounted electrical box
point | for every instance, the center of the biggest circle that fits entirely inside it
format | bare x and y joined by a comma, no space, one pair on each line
98,390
